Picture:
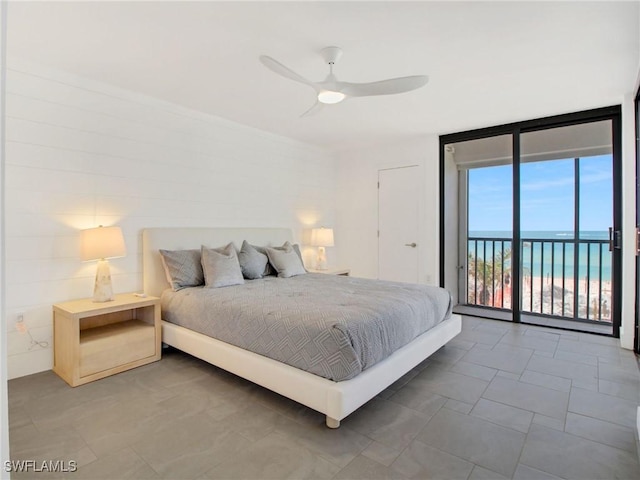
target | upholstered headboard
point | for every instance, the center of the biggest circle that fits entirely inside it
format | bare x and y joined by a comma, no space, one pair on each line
181,238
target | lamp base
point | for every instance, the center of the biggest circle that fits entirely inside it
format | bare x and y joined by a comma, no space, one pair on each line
321,263
102,291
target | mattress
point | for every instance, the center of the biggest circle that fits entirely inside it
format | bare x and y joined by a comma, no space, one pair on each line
328,325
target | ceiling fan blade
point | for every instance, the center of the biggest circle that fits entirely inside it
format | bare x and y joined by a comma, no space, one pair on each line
384,87
313,110
286,72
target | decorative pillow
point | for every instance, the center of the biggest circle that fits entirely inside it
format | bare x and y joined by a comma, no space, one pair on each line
253,263
221,267
286,246
286,261
183,268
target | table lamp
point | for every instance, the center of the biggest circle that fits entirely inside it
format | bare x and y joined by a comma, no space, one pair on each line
322,237
99,244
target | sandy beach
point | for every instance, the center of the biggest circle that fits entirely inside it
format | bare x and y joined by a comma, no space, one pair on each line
552,297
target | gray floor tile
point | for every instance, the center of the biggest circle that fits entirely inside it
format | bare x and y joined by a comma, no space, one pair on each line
422,461
563,368
363,468
539,333
253,423
585,358
190,419
627,360
123,464
610,351
458,435
512,376
448,355
402,381
417,396
504,415
458,406
599,339
463,344
555,423
534,398
503,357
524,472
614,373
622,390
480,473
18,418
38,385
516,339
473,370
117,426
490,339
276,456
572,457
604,407
386,422
451,385
29,443
339,446
381,453
601,431
546,380
189,447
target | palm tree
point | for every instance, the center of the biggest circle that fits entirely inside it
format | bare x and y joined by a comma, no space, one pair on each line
488,277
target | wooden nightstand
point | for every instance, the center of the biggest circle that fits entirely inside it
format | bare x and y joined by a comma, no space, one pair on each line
94,340
332,271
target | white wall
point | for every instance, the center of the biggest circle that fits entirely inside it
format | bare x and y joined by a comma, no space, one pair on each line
357,214
357,210
80,153
4,402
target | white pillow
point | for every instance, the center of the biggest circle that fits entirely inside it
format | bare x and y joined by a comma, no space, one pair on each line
221,267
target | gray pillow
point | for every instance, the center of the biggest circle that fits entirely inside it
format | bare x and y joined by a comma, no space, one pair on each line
253,263
287,245
183,268
221,267
286,261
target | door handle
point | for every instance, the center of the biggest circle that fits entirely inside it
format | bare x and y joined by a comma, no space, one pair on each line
615,239
412,245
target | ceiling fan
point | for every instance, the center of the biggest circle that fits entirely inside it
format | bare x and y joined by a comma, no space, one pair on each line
331,90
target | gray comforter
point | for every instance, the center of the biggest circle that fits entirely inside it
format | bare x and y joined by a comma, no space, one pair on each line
332,326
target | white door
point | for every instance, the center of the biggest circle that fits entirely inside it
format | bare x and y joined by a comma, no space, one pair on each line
398,217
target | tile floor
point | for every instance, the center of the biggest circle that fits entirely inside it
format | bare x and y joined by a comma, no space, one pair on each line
499,401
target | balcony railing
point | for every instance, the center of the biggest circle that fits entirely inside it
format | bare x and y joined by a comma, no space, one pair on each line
564,278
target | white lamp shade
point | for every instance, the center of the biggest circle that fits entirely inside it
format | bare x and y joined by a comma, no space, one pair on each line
101,242
322,237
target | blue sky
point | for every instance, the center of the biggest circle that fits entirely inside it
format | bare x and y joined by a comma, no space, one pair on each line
547,198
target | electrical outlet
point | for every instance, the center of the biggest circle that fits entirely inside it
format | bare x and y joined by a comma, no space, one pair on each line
20,325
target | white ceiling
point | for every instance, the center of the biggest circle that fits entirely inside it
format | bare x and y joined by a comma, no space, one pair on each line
489,62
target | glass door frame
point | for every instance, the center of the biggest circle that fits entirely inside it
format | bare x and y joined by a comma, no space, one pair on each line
636,333
612,113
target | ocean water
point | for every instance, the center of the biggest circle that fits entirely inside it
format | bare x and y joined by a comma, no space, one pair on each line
542,252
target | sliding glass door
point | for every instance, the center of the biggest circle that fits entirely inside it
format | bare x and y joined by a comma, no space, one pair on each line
566,214
538,231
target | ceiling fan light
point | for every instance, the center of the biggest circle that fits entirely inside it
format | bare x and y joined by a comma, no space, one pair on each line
330,97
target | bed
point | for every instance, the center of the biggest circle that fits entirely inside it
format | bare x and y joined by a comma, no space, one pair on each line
335,399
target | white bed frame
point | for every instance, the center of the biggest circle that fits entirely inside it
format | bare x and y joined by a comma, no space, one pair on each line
334,399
